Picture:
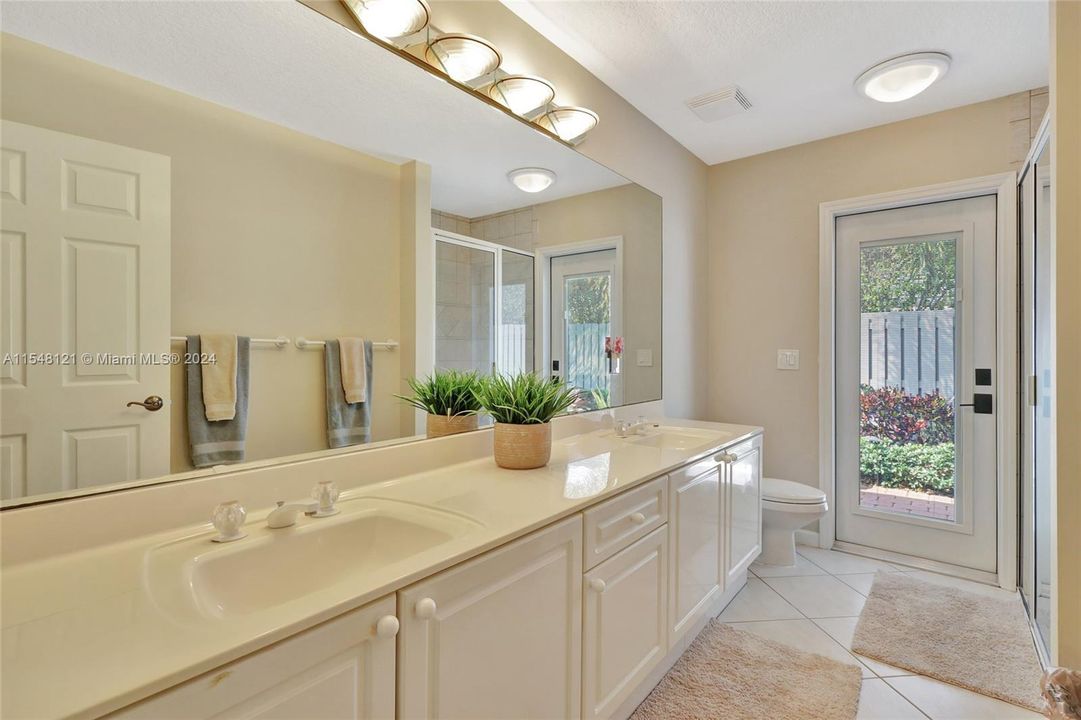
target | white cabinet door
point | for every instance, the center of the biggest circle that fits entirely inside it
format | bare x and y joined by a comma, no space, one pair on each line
743,507
499,636
625,623
696,542
340,670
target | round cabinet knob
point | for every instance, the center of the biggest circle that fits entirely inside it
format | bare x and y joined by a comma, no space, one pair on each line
425,608
597,585
387,627
637,518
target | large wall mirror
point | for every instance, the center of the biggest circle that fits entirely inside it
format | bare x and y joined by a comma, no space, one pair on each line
176,174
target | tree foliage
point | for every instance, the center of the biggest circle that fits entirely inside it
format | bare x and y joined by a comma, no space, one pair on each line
908,276
589,299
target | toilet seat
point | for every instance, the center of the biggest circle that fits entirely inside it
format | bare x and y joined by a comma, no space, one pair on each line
787,492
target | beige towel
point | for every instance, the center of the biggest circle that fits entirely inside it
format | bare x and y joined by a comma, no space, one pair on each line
354,369
219,377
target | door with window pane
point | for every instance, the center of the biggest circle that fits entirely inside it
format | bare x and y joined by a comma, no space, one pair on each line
915,362
585,297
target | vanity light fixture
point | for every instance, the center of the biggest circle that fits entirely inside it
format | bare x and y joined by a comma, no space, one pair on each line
522,94
903,77
462,57
569,123
532,180
390,19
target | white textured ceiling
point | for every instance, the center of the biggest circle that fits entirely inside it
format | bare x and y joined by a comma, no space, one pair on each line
796,61
284,62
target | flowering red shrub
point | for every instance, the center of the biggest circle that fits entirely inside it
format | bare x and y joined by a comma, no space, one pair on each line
892,414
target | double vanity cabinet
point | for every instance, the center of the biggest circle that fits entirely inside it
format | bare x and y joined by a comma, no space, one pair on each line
579,618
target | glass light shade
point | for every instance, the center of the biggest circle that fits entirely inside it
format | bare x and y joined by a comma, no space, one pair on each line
463,57
522,93
903,77
389,19
532,180
569,122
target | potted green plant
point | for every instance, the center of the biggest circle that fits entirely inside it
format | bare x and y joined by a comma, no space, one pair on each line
450,399
523,407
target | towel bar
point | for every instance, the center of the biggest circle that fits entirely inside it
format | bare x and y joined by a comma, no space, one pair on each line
278,342
304,343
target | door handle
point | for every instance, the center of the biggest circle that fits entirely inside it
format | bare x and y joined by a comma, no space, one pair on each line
153,403
982,404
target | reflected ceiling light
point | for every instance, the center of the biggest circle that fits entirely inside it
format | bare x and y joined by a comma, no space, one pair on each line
569,123
532,180
389,19
522,93
463,57
903,77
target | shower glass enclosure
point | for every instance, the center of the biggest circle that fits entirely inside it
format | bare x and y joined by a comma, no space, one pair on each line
1034,199
483,306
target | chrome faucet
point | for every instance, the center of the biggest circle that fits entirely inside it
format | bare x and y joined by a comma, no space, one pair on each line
625,428
284,516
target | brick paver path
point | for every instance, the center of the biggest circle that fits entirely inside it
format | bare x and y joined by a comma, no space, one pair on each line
913,502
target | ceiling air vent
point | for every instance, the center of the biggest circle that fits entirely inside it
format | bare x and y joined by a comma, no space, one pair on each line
721,104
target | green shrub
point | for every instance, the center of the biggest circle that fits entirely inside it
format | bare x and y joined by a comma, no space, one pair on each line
907,465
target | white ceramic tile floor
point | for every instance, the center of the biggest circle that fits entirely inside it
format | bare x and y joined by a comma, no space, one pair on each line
819,596
829,608
758,601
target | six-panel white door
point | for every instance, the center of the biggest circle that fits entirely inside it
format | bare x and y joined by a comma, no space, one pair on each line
625,625
340,670
499,636
84,281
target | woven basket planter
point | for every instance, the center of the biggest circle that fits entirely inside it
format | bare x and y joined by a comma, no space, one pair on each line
523,447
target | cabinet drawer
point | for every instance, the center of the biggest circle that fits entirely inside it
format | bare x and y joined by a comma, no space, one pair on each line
615,524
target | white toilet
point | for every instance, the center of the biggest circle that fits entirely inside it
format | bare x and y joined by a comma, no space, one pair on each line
786,507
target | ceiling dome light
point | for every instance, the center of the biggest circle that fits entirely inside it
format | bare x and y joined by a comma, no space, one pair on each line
389,19
463,57
569,123
531,180
522,93
903,77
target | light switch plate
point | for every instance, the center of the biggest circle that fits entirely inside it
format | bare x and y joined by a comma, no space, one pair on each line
645,358
788,359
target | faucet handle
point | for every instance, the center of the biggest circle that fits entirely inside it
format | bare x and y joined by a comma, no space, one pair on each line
326,493
228,519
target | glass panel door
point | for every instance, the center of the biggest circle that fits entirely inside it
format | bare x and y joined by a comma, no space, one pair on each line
584,288
908,293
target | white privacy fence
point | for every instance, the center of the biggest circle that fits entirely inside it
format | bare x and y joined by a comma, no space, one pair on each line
515,354
585,364
913,351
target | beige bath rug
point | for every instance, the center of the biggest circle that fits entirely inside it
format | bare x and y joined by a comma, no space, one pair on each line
979,642
729,674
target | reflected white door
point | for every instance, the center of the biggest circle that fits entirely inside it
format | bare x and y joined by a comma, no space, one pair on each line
586,296
84,290
916,462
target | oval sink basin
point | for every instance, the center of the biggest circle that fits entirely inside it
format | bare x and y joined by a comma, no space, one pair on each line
273,567
673,438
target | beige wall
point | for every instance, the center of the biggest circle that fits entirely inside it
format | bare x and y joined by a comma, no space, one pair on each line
1066,256
635,214
763,228
273,233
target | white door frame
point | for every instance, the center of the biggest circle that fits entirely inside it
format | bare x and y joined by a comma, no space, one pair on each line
1004,187
542,268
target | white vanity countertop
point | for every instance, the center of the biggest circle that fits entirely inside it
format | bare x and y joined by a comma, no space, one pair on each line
87,633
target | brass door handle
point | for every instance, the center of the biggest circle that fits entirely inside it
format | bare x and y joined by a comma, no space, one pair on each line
152,403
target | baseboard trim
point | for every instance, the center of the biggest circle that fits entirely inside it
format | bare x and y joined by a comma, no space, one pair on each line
627,708
807,537
919,563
